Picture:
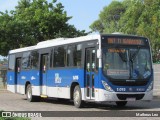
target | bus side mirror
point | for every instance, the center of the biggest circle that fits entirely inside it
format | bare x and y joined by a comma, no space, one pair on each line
99,54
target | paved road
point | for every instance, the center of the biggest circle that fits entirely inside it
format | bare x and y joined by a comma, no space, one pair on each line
16,102
10,101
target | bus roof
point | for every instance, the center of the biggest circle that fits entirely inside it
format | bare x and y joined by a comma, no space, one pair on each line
56,42
22,49
63,41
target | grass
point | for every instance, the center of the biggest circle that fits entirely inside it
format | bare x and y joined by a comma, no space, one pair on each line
12,118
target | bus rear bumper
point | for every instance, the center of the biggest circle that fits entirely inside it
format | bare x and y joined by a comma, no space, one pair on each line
125,96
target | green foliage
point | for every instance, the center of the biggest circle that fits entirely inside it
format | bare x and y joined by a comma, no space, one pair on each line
138,17
108,18
12,118
32,22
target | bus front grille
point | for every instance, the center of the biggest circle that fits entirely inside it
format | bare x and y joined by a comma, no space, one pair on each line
125,96
124,83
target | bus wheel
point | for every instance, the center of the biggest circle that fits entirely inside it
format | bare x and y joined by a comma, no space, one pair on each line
29,95
77,97
121,103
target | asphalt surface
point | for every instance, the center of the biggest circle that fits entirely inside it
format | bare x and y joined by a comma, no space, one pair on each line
16,102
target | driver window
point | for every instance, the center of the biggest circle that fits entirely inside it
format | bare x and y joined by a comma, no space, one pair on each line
142,64
144,60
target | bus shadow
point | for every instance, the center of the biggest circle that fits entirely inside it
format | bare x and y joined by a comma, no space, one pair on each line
138,105
110,106
57,101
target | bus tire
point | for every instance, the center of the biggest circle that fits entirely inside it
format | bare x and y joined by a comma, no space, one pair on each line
29,95
121,103
77,97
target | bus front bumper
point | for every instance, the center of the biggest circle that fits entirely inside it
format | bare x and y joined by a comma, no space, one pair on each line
125,96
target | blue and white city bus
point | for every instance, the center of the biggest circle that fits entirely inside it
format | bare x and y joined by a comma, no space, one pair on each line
94,68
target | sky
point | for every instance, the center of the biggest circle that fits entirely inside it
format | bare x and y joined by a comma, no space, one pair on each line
83,12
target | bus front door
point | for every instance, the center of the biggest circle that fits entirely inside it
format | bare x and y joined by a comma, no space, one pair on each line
43,71
90,67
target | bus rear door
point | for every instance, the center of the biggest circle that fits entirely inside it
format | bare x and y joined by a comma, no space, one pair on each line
43,73
17,75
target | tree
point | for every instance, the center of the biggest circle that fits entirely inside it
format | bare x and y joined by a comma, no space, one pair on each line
149,26
32,22
129,21
137,17
108,18
6,33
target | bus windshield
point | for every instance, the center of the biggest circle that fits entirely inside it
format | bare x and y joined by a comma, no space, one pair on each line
126,63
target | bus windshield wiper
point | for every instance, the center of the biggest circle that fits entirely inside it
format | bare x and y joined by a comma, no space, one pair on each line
122,55
134,55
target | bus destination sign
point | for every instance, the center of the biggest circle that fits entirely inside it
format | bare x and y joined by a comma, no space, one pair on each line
125,41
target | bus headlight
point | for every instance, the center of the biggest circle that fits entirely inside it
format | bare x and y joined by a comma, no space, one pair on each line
106,86
150,87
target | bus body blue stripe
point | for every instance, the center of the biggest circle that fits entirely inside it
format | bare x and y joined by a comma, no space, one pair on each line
66,77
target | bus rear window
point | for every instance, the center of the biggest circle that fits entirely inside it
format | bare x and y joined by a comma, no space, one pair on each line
11,62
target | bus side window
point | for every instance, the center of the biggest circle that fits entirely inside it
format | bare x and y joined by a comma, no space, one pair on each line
77,52
69,61
59,56
70,57
56,63
34,56
51,59
26,60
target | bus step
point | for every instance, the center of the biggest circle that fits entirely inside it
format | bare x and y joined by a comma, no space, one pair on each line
44,96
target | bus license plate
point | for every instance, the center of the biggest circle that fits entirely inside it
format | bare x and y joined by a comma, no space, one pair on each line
131,99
